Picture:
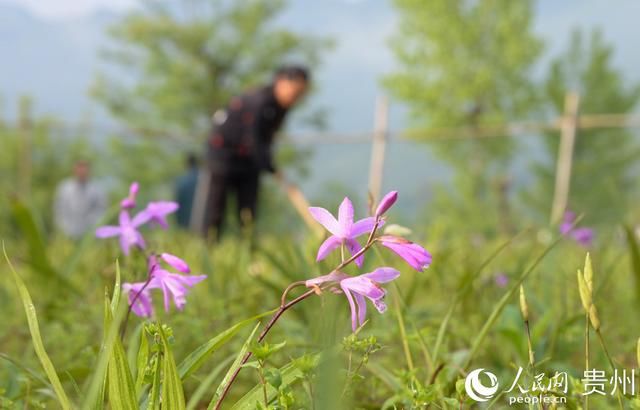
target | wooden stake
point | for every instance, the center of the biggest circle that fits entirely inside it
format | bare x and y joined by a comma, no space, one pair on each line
378,146
565,156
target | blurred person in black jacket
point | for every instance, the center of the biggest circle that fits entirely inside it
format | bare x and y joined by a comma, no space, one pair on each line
239,148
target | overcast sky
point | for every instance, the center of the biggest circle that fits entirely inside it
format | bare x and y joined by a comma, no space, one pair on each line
362,50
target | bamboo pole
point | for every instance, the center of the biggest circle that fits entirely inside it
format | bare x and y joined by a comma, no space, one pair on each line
565,156
378,146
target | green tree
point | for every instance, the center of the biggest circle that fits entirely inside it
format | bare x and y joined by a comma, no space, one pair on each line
35,157
186,59
466,63
604,170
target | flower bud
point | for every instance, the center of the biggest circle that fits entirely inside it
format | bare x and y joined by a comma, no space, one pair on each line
593,317
524,308
386,203
585,294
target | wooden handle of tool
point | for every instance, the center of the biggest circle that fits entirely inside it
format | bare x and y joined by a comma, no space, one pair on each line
300,203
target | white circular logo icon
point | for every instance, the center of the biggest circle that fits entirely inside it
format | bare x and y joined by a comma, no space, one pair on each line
478,391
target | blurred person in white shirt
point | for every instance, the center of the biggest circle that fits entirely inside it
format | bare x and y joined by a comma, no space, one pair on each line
79,202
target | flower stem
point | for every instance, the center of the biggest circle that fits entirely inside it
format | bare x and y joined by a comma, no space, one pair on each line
613,366
370,241
586,356
263,334
135,299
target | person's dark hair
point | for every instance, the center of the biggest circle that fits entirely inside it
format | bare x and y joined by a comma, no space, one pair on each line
192,160
293,72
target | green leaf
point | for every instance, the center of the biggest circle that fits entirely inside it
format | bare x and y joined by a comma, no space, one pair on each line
122,393
196,358
205,384
34,329
94,398
235,366
155,386
141,361
288,374
634,250
172,394
115,300
35,375
393,382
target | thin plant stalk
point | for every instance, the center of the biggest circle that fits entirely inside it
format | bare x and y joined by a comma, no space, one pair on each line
586,355
613,366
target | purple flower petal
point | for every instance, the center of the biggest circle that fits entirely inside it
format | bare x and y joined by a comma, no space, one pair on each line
584,236
415,255
386,203
107,231
124,219
130,201
352,306
320,280
362,308
155,212
327,246
354,247
345,215
133,189
177,263
141,218
382,275
364,226
327,220
191,280
174,286
357,288
380,305
565,227
139,299
363,286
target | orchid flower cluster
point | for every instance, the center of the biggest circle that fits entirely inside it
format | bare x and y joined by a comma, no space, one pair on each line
344,234
173,285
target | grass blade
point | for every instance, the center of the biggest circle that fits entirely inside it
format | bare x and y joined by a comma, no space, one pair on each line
172,394
445,322
119,380
236,364
206,383
504,300
634,251
34,329
94,398
290,374
193,362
